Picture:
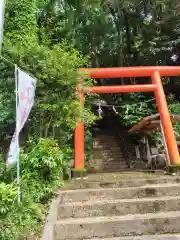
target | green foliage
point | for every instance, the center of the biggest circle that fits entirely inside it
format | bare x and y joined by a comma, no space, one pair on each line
56,71
23,219
55,68
175,108
20,21
118,33
7,101
43,155
137,109
87,143
129,32
8,194
18,220
42,164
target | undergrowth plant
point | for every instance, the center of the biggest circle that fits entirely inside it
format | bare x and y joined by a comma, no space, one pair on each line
41,164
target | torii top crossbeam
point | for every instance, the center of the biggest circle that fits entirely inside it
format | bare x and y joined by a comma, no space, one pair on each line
117,72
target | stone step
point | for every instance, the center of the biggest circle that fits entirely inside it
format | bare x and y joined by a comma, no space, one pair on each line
110,145
110,156
115,163
119,226
115,166
111,148
113,154
107,140
114,157
105,137
110,180
114,170
151,190
103,140
111,169
106,149
145,237
118,207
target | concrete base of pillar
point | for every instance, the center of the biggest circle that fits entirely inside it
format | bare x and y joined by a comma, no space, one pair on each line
173,169
79,172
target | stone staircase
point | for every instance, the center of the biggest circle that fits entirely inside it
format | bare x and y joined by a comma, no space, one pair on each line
116,207
107,155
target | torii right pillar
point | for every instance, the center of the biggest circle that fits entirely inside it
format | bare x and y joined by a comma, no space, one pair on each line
165,119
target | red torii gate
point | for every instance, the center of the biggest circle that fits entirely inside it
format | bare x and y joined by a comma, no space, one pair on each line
155,73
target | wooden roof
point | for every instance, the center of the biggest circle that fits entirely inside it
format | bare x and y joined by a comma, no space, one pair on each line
151,123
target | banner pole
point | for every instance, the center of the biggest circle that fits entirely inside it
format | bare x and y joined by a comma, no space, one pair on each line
2,10
17,135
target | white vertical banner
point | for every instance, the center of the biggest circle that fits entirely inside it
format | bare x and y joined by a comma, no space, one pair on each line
25,94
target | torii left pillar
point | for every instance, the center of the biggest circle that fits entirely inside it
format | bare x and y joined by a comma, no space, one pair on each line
79,136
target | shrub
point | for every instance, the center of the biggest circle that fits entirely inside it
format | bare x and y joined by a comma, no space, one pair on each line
8,193
24,218
41,167
41,164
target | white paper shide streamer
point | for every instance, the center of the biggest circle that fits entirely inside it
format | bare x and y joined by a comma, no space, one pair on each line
25,94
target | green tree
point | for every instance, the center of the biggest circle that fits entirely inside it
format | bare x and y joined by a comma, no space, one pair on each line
119,33
55,68
52,120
